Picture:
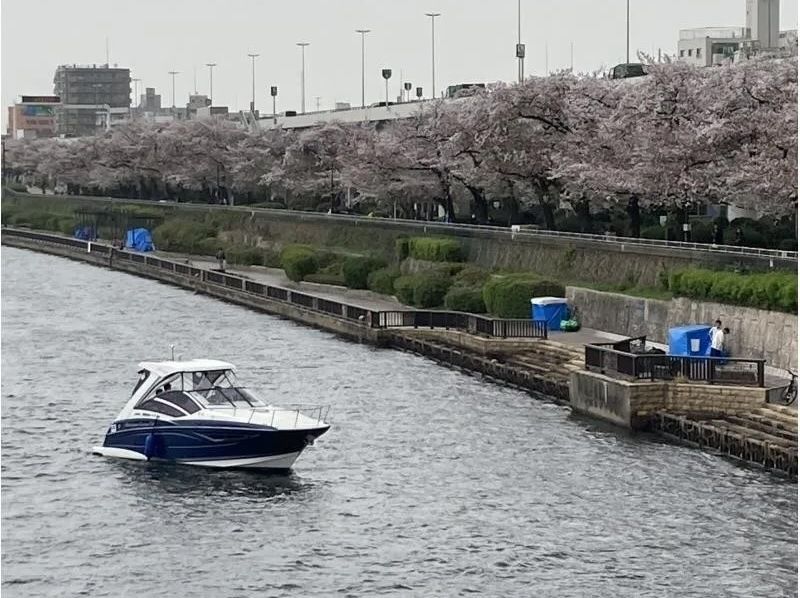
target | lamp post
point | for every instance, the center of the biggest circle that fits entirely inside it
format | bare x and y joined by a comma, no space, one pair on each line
520,45
627,31
407,88
173,73
433,16
253,101
273,91
211,66
303,74
363,33
387,74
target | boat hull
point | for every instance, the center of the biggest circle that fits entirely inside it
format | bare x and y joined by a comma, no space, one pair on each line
208,443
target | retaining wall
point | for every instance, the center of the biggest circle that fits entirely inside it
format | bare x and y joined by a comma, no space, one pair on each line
755,333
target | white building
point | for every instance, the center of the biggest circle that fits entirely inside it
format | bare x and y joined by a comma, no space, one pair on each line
708,46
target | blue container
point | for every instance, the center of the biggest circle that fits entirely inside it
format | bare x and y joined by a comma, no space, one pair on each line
551,310
691,340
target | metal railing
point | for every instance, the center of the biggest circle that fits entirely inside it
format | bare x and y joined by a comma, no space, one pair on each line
471,323
472,230
654,366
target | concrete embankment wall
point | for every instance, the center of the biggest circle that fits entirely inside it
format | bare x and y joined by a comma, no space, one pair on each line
755,333
493,248
631,404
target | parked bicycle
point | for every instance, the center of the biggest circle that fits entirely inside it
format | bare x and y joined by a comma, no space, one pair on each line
789,395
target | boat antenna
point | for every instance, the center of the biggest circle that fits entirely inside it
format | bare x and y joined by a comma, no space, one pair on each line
172,350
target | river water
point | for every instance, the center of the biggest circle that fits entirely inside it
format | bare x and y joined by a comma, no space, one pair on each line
430,483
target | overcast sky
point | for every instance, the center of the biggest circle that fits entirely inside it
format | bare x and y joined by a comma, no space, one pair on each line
474,42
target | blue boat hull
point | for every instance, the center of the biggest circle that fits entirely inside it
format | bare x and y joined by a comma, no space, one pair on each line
211,443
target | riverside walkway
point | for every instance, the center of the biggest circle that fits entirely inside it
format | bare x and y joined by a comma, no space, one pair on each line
730,417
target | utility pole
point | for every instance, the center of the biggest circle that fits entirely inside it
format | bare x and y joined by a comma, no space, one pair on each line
627,31
317,98
433,16
194,70
211,66
173,73
520,47
571,57
253,101
303,74
363,33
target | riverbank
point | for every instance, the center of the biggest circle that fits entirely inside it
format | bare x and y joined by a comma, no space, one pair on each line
539,365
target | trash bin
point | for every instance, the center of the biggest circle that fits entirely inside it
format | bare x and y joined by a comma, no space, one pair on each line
550,310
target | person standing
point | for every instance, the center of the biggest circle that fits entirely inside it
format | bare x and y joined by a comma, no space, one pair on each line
717,339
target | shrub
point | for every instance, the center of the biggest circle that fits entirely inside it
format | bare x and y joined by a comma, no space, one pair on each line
772,290
469,299
404,289
182,235
17,187
242,254
435,249
401,248
510,296
430,289
382,281
356,270
298,261
471,276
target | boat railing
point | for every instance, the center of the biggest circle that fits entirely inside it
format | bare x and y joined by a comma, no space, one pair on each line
318,413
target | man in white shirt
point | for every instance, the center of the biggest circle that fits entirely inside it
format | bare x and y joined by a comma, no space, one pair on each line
717,340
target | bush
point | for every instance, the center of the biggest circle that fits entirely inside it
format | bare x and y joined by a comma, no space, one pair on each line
17,187
382,281
510,296
769,290
356,270
242,254
183,235
469,299
471,276
404,289
434,249
430,289
401,248
298,261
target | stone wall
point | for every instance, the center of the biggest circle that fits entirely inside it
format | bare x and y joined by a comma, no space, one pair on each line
755,333
493,248
629,404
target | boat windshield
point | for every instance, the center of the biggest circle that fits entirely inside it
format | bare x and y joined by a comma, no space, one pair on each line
218,388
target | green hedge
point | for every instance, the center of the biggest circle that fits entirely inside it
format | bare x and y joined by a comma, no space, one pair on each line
356,270
404,289
467,299
471,276
422,290
510,296
185,236
434,249
382,281
298,261
325,278
401,248
772,290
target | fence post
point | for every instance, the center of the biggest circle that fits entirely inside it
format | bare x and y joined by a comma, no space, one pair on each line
761,373
712,366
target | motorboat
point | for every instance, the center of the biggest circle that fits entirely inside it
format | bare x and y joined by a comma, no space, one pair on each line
195,412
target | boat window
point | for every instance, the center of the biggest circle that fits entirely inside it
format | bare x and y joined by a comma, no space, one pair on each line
179,399
158,406
143,375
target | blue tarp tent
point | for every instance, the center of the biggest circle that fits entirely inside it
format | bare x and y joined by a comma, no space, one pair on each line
551,310
689,340
139,239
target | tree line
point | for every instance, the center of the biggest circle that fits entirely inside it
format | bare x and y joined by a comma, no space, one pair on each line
663,142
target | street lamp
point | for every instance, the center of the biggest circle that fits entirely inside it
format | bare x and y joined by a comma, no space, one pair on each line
407,87
363,33
520,45
303,74
253,101
211,66
627,31
136,91
273,91
387,74
433,16
173,73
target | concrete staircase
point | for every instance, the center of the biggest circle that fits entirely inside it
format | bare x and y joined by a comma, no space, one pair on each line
550,360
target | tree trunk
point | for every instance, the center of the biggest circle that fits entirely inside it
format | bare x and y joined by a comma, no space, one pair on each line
635,216
481,205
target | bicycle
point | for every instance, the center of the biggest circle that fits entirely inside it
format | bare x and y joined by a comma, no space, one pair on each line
789,395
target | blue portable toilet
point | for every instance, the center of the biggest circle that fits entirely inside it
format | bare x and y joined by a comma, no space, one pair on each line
691,340
139,239
551,310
